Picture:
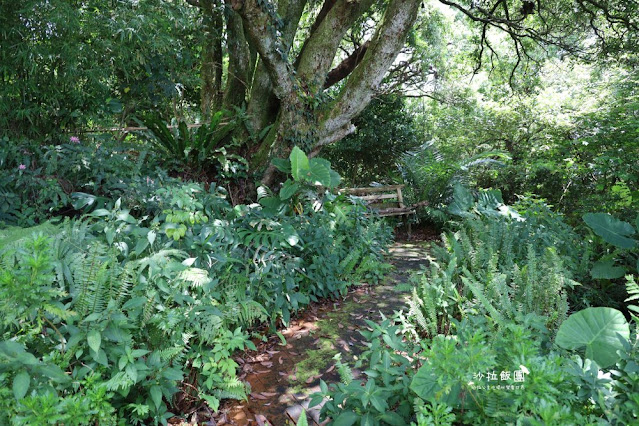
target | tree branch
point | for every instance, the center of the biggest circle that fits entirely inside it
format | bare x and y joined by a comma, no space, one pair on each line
316,56
263,104
368,75
345,67
261,30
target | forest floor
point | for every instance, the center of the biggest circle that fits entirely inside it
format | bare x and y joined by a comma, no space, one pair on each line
282,377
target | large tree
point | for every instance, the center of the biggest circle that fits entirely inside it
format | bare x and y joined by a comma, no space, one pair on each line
303,68
308,68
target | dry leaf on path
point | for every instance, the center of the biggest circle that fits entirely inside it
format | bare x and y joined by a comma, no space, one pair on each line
261,420
257,396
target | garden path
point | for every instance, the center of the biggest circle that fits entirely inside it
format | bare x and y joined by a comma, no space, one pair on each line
283,377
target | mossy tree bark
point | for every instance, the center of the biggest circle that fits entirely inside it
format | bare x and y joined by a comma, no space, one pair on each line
293,94
212,56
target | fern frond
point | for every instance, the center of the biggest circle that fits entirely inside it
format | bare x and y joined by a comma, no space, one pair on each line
633,294
231,388
483,300
196,276
344,371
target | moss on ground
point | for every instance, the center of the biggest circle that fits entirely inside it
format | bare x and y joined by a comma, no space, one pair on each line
318,360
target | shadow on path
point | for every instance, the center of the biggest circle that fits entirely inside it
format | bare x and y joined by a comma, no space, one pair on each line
283,377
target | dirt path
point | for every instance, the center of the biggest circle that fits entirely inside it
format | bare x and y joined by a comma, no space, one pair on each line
283,377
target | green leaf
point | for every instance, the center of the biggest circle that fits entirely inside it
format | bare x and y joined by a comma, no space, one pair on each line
15,352
214,403
101,358
289,189
172,374
347,418
598,330
100,212
272,203
53,372
156,395
290,235
81,200
303,420
299,163
606,270
424,383
336,179
379,403
140,246
612,230
136,302
21,384
319,173
132,372
94,338
393,419
368,420
282,164
463,201
136,353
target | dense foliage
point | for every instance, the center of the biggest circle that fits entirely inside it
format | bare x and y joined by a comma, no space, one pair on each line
135,263
487,336
111,315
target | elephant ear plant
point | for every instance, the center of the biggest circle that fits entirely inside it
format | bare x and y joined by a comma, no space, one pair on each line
601,332
622,236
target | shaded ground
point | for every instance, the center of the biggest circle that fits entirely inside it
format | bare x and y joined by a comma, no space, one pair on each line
283,377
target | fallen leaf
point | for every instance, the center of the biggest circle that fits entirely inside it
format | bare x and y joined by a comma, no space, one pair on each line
269,393
267,364
331,368
257,396
281,360
261,420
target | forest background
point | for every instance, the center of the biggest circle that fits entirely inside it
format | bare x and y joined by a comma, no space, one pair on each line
128,254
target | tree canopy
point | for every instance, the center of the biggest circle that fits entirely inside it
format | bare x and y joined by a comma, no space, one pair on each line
300,71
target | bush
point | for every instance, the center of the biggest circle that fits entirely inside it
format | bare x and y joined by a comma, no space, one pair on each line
487,337
110,316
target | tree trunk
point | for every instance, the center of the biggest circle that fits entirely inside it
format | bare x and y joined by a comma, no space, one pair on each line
211,71
239,62
301,119
263,104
